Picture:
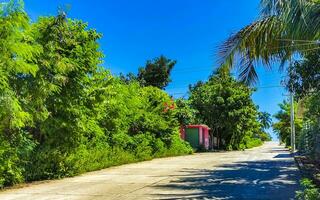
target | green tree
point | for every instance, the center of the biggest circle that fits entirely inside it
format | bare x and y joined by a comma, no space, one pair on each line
128,78
283,28
156,72
184,112
265,119
61,113
305,83
225,105
69,61
304,75
283,127
17,50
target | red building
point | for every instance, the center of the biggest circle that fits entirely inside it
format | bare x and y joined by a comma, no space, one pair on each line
197,135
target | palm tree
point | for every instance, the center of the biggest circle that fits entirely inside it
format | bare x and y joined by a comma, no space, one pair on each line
284,27
265,119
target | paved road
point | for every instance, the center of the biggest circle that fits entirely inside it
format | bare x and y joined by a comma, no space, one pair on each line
267,172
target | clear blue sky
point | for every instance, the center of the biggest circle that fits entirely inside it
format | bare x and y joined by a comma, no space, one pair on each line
185,30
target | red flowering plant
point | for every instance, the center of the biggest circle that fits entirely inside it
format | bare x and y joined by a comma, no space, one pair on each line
169,105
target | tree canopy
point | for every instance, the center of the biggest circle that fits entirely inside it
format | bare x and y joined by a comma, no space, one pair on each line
156,72
62,114
304,75
265,119
282,127
225,105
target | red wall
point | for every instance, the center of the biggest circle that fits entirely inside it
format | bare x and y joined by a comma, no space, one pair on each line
203,134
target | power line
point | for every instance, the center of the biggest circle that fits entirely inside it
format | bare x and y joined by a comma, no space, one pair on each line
274,77
260,87
191,69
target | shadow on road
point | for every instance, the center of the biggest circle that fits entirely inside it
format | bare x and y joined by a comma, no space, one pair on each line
283,155
270,179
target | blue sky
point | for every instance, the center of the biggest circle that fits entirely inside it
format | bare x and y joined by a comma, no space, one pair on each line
184,30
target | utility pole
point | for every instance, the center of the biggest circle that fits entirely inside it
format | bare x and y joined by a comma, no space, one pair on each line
293,134
291,96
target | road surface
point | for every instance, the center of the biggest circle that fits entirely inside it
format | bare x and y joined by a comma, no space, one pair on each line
267,172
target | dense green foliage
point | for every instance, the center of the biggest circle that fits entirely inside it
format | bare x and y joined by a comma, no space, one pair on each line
225,105
156,73
185,113
309,191
282,127
304,81
61,114
308,140
265,119
266,122
304,75
17,50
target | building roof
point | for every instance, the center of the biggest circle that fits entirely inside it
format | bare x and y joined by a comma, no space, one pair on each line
197,126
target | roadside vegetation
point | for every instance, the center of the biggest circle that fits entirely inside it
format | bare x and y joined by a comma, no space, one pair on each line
226,106
62,113
286,34
309,191
305,83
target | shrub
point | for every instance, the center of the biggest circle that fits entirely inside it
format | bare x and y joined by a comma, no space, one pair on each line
252,142
10,171
309,191
13,158
136,128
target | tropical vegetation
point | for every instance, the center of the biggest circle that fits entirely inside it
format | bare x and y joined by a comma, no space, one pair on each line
309,191
62,113
286,31
156,73
283,127
226,106
284,28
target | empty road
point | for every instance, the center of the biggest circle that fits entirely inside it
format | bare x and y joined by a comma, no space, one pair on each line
267,172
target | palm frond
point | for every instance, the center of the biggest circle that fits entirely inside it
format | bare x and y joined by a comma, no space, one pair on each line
272,7
285,27
249,45
303,19
248,74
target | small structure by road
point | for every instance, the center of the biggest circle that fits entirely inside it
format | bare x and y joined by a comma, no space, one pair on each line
197,135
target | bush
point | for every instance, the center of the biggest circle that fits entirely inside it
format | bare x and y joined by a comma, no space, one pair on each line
178,147
307,140
13,158
252,142
309,191
136,128
51,163
10,171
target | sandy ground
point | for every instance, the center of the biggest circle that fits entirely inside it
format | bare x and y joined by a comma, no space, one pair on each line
266,172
